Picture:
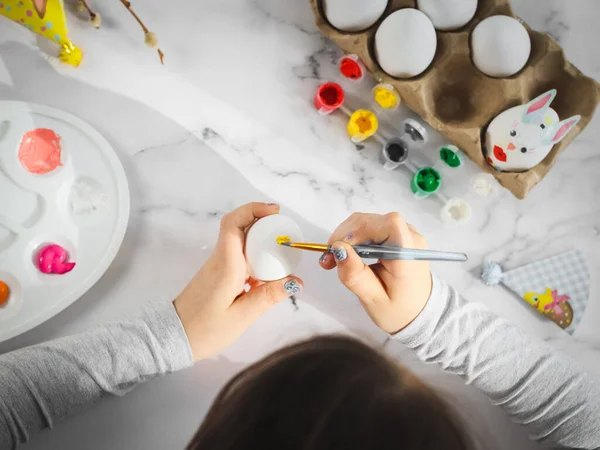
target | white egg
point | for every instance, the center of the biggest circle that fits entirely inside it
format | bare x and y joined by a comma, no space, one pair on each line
448,14
267,260
405,43
353,15
501,46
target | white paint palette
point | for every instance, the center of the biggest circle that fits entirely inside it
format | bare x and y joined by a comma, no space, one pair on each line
82,205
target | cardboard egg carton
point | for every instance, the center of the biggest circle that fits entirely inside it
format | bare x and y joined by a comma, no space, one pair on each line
459,101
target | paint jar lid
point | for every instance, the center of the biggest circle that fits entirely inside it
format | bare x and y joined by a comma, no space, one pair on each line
425,182
415,131
351,67
451,155
456,211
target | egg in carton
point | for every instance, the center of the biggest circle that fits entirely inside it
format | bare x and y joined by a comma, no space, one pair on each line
453,95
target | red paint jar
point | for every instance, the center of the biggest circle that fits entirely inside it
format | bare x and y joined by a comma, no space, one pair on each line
330,96
351,67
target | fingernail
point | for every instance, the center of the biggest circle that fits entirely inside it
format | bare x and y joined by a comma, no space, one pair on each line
292,287
339,254
323,257
272,204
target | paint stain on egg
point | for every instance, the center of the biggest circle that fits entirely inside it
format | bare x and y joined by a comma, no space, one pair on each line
40,151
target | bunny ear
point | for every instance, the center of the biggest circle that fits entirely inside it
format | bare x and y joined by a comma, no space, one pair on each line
536,108
558,131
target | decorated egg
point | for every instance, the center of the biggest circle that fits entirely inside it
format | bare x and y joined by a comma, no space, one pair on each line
522,136
448,14
501,46
267,260
405,43
353,15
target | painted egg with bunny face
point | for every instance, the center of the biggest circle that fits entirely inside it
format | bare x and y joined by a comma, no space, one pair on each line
521,137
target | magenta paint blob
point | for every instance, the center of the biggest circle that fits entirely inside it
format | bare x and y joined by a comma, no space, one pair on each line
52,259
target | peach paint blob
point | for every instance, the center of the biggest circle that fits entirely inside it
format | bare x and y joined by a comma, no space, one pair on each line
40,151
4,293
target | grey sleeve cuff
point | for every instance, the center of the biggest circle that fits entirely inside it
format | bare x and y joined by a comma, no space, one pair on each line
420,330
165,326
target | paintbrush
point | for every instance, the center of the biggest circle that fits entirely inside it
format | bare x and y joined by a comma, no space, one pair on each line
386,252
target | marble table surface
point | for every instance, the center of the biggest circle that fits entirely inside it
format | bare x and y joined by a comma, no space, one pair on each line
229,119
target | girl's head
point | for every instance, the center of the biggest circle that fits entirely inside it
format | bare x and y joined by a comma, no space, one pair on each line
328,393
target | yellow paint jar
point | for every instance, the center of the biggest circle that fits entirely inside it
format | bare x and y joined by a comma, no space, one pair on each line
362,125
386,96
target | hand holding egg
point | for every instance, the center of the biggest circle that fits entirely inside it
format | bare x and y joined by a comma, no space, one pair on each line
267,260
222,300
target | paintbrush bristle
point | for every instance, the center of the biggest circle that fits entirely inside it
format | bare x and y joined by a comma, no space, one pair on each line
282,240
287,244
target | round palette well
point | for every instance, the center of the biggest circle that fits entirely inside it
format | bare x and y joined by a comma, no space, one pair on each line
80,204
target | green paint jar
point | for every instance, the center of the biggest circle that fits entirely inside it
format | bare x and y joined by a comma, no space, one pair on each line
425,182
451,155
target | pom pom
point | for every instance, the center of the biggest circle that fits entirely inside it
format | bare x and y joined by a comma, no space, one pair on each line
96,20
151,40
491,273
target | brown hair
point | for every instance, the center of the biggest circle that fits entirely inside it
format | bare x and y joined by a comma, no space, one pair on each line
328,393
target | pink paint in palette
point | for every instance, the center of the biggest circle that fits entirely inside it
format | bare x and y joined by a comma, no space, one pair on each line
53,259
63,215
40,151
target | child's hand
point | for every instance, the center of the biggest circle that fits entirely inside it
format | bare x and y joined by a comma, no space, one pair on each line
392,292
214,308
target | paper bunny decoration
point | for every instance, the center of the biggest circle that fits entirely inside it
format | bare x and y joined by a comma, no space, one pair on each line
521,137
557,287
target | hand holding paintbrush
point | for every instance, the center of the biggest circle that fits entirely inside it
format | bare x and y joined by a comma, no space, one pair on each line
396,288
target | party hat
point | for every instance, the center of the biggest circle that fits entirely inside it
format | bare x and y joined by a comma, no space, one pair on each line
557,287
46,18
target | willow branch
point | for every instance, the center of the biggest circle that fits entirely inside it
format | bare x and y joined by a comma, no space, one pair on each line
87,7
127,5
